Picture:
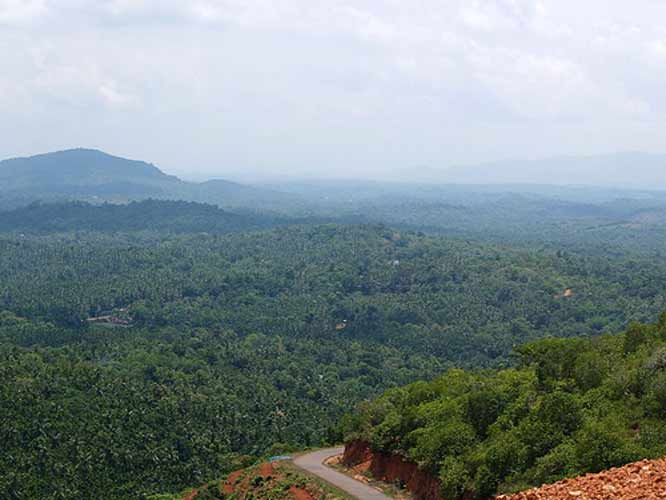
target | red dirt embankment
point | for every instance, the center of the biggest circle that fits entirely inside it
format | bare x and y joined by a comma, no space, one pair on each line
640,480
392,468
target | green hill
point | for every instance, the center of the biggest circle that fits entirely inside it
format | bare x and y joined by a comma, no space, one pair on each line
64,171
95,176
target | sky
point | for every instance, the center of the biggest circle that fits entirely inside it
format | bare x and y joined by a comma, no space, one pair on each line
309,87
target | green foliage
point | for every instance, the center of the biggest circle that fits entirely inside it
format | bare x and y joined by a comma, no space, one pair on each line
454,478
559,415
216,346
603,444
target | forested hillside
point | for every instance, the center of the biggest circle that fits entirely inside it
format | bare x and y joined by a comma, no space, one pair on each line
134,365
77,168
94,176
571,406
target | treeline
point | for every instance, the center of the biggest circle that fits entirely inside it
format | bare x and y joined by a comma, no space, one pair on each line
623,226
571,406
152,217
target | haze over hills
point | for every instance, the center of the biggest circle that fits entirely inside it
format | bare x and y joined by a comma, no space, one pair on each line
91,175
483,206
632,170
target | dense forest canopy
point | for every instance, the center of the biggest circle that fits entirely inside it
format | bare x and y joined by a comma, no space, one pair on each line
156,345
403,289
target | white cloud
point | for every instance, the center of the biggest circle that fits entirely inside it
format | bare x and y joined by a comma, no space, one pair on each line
492,15
113,97
657,48
262,73
21,11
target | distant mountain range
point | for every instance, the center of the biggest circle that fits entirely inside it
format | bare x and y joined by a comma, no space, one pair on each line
621,170
95,176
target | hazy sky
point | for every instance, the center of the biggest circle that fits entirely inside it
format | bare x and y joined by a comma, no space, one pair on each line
313,86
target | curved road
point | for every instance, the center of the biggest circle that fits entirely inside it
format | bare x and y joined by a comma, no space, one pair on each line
313,463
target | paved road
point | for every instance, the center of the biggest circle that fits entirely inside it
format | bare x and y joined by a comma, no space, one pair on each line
313,463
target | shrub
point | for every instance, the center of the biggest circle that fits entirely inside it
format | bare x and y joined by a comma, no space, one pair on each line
454,479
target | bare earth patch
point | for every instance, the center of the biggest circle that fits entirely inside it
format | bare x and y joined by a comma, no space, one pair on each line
228,486
300,494
643,480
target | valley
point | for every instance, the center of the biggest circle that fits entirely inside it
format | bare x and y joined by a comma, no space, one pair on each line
151,345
